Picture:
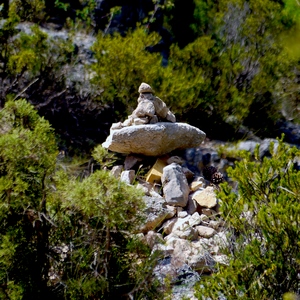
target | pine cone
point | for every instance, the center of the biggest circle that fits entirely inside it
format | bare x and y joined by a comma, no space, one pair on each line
217,178
208,172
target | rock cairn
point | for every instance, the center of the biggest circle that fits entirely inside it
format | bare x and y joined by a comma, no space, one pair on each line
182,220
151,129
150,109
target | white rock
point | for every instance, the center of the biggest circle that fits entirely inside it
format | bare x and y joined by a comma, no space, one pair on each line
221,259
167,226
214,224
206,198
205,231
166,250
181,223
204,219
182,250
155,194
128,176
171,239
198,246
187,234
143,188
172,210
202,263
182,214
197,185
220,239
195,219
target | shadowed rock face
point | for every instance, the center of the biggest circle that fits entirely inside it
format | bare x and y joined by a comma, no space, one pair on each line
154,139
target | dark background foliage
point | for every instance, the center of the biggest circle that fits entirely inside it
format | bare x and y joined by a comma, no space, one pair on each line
227,67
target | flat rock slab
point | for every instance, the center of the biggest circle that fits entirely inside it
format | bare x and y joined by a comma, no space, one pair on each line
154,139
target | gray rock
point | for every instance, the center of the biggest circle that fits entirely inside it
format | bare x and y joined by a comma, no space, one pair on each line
152,238
247,146
164,269
175,185
265,147
191,205
189,233
116,171
291,131
188,173
185,280
155,213
182,278
128,176
154,139
131,161
175,159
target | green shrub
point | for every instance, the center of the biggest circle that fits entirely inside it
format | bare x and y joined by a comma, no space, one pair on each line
122,65
263,227
63,237
101,213
30,10
27,159
32,65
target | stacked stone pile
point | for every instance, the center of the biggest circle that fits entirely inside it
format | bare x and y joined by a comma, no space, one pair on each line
182,224
182,219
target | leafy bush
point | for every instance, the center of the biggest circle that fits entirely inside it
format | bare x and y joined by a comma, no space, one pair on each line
32,64
63,237
102,214
27,159
122,65
30,10
263,226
